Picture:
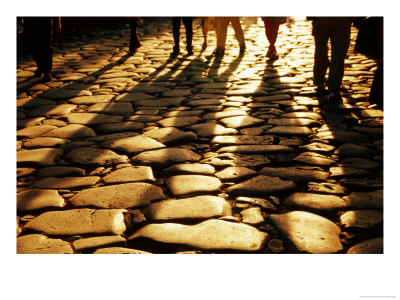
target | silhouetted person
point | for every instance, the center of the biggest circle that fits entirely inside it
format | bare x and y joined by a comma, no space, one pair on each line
223,30
134,41
208,24
370,43
337,31
39,32
176,26
271,25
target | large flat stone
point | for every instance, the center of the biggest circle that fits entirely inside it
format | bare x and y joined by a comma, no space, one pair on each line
97,241
361,218
88,100
189,208
313,158
95,156
196,168
236,159
130,174
290,130
34,131
309,232
39,198
92,118
41,244
255,149
61,93
71,131
179,121
66,182
42,157
121,126
126,195
235,173
51,110
45,142
163,157
316,201
210,129
243,139
79,221
210,234
121,109
134,144
242,121
295,173
59,171
373,246
371,200
119,250
187,184
260,186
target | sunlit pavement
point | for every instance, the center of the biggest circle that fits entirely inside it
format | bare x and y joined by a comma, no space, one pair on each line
198,154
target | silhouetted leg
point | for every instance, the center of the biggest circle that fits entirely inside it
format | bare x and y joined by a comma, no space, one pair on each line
340,41
134,42
238,31
176,26
187,21
221,33
321,37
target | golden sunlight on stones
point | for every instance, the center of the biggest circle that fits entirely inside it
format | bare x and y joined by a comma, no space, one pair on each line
210,234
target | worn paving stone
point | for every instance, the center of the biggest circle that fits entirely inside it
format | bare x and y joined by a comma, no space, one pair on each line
131,97
273,97
200,207
121,109
134,144
196,168
345,172
354,150
179,121
144,118
290,130
255,201
210,129
224,114
309,232
295,173
167,156
187,184
242,121
365,200
360,163
177,93
38,198
33,102
61,93
59,171
97,241
119,250
41,157
45,142
252,216
126,195
92,118
243,139
255,149
260,186
235,173
51,110
34,131
71,131
372,246
293,122
130,174
318,147
95,156
210,234
313,201
121,126
235,159
327,188
79,221
302,114
41,244
111,136
66,182
361,218
89,100
343,136
313,158
170,135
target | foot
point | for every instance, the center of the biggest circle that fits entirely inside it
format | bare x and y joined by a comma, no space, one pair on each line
321,90
37,73
204,46
242,49
335,98
219,52
189,51
47,77
175,52
272,54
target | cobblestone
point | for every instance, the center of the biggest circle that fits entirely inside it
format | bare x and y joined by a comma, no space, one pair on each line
199,153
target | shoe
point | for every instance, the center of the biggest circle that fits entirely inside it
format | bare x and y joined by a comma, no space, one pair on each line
321,90
47,77
175,52
219,52
335,98
37,73
189,51
272,54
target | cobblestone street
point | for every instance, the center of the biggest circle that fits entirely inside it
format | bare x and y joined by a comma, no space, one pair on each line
197,154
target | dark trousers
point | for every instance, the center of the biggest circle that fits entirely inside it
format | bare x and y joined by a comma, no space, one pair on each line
176,26
134,40
39,34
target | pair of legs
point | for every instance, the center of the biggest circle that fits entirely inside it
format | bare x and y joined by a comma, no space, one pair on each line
39,31
271,25
134,41
223,30
176,26
337,30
